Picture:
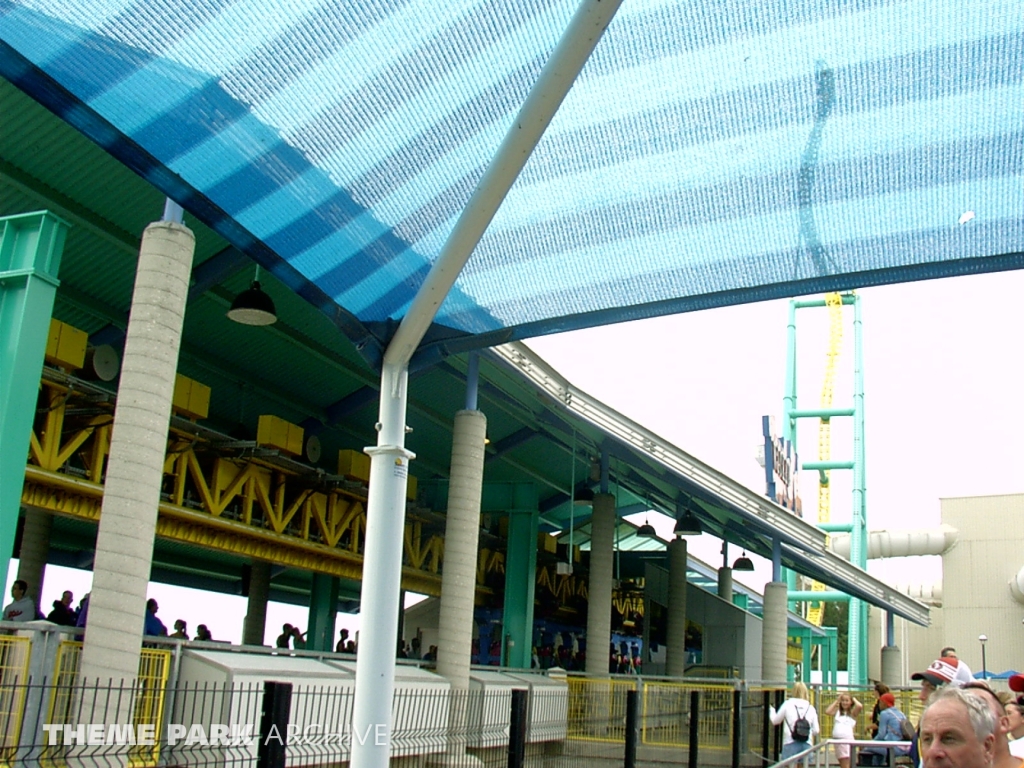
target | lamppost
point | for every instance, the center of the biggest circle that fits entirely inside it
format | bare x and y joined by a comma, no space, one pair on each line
984,668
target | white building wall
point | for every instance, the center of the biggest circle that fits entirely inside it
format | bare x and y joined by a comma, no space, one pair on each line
976,597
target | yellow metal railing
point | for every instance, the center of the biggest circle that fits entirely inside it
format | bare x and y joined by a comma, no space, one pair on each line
665,711
146,700
597,708
14,659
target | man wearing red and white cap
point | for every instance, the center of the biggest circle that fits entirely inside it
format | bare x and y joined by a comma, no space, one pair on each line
963,672
938,674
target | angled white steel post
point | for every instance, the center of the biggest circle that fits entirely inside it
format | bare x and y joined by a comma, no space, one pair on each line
385,513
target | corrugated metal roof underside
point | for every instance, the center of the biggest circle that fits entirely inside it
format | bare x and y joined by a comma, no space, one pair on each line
708,154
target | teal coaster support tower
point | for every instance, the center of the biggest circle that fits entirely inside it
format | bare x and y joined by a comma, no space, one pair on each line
31,246
857,646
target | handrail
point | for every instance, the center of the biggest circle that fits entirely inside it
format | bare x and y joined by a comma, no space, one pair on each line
822,746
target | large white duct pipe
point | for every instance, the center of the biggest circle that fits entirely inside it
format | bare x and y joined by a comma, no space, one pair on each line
1017,586
929,594
932,541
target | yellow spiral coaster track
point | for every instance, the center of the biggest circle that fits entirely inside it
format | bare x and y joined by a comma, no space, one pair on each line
834,302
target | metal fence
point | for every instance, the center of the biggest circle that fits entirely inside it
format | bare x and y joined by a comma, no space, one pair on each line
590,721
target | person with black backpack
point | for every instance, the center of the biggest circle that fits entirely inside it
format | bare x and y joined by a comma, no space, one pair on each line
800,721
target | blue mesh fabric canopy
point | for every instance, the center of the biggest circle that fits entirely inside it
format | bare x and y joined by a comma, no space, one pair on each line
710,153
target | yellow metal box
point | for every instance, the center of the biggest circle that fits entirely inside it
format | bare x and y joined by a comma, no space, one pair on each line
355,465
191,398
410,488
65,345
275,432
547,543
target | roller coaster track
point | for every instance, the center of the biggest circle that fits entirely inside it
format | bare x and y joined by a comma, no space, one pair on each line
834,302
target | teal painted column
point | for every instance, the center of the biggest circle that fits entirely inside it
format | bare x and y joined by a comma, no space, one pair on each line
31,246
520,579
832,646
807,648
323,610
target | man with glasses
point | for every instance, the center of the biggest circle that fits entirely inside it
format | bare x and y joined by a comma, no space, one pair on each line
958,730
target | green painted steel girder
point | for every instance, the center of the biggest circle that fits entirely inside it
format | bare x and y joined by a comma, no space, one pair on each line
827,465
496,497
31,246
520,583
323,612
809,596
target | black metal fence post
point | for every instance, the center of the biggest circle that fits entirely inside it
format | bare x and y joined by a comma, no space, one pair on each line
632,728
766,726
779,698
517,730
694,727
737,703
274,717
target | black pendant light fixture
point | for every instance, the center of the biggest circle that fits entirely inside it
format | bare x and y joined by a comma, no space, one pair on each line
253,306
583,497
743,563
687,523
646,531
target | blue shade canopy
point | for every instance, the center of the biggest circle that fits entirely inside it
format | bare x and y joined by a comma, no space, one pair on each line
710,153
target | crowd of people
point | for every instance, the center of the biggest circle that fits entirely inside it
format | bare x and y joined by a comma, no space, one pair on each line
965,723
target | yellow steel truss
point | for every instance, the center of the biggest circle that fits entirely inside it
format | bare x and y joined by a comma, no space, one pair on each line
245,506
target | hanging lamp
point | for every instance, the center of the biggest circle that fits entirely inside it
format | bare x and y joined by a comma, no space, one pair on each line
743,563
253,306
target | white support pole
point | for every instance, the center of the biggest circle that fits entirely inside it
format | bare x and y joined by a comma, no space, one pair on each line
385,509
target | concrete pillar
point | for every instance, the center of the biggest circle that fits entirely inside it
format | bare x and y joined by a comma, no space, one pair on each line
774,632
675,635
35,549
892,666
599,607
725,583
254,628
458,579
124,544
461,539
323,613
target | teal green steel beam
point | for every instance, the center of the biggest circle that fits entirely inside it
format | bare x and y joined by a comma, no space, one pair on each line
31,246
826,465
789,406
809,596
520,582
323,612
831,663
821,413
848,298
836,527
858,638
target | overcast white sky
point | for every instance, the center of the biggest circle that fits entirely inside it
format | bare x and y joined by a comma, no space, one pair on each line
943,403
944,415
